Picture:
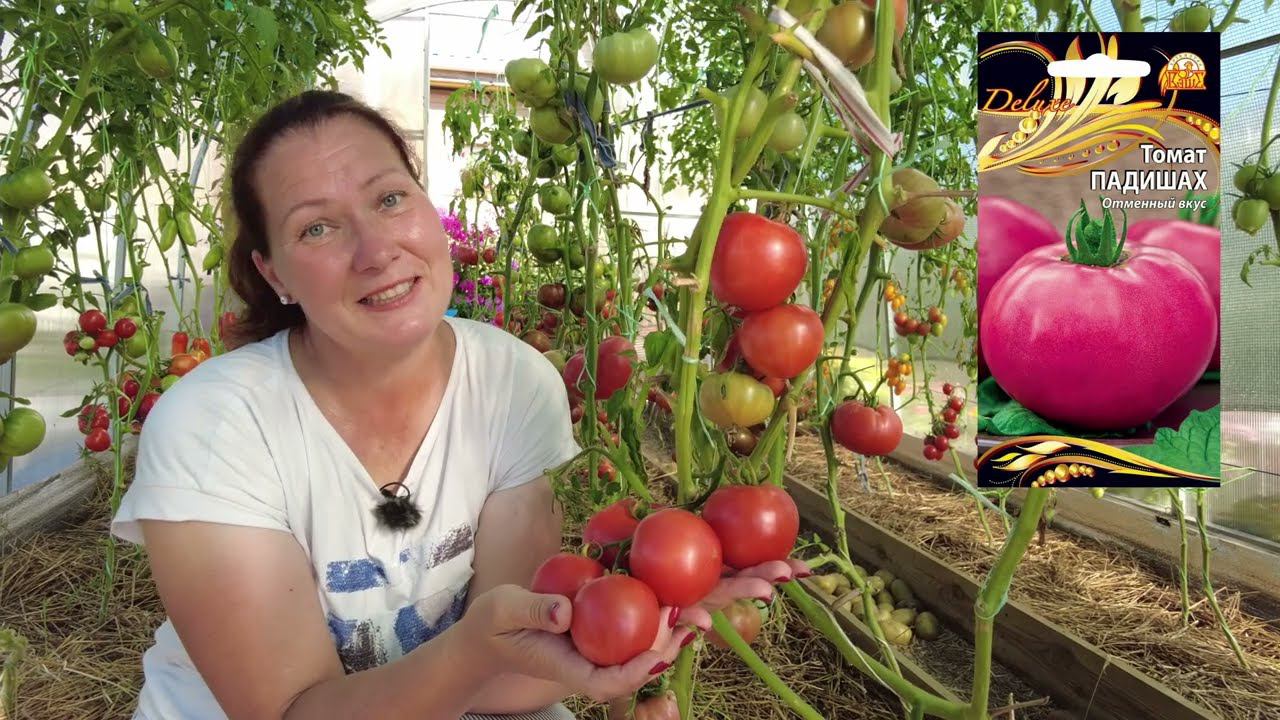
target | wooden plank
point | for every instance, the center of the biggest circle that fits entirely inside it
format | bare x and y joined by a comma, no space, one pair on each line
1049,657
50,503
861,636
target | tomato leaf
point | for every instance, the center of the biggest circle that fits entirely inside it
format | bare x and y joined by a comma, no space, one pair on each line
1195,446
999,414
41,301
655,347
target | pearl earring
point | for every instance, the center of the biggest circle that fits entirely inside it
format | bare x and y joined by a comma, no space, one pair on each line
285,300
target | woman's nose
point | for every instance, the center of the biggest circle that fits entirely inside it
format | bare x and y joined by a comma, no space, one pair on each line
375,247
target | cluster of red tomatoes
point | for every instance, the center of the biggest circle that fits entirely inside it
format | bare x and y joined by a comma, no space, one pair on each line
758,263
468,255
615,358
670,557
944,426
95,419
93,334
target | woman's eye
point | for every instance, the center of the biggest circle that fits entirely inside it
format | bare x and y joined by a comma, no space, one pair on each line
391,199
314,231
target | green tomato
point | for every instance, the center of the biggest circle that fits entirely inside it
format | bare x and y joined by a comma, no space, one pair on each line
544,244
532,81
545,168
157,59
112,13
557,359
523,143
1248,179
23,431
546,124
564,155
33,262
472,182
1196,18
1250,214
751,112
26,188
554,199
575,256
789,133
626,57
136,346
1271,191
17,327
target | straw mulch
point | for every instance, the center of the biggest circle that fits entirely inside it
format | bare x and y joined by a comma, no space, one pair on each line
1103,594
84,656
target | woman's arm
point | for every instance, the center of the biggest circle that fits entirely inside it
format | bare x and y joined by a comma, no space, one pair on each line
244,603
518,529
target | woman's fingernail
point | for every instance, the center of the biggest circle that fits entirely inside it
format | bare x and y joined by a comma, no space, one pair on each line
804,574
555,607
659,668
688,639
782,579
675,616
766,599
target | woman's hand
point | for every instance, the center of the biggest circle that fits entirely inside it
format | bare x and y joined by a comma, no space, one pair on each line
528,633
753,582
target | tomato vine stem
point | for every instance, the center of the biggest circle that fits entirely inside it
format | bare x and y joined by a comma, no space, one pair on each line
762,670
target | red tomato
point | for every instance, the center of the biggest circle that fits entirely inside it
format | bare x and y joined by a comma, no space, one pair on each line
552,295
866,431
98,440
106,338
746,620
467,255
202,345
125,328
757,262
538,340
122,405
489,254
93,417
93,321
755,523
678,555
565,574
147,402
614,357
130,386
777,385
615,618
783,341
613,524
181,364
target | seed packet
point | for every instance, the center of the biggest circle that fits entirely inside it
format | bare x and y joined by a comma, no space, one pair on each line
1098,259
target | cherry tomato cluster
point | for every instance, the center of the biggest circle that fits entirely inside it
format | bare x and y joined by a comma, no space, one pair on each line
945,428
933,323
900,368
94,420
93,334
670,557
959,280
1260,188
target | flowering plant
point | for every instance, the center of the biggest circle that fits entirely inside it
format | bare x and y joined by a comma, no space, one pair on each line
477,294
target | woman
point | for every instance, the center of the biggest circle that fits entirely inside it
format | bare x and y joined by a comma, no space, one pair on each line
341,514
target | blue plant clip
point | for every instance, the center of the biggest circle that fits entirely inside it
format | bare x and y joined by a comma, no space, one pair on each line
8,246
603,146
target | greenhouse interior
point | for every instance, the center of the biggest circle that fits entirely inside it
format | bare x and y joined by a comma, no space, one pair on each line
783,354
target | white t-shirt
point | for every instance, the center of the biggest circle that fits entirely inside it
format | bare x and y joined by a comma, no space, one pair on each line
240,441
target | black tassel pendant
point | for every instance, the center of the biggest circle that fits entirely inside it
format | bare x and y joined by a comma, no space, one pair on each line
397,511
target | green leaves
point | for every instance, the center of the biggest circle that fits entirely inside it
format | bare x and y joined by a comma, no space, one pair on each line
999,414
1195,446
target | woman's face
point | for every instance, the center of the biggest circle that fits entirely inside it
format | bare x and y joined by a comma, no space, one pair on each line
354,240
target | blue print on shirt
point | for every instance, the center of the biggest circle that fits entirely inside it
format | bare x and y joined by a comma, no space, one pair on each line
412,630
344,576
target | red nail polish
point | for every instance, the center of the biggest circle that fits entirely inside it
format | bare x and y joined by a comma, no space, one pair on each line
675,616
555,606
804,575
688,639
659,668
782,579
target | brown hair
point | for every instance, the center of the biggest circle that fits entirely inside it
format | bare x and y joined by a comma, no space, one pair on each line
264,314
